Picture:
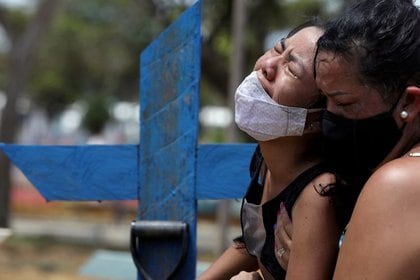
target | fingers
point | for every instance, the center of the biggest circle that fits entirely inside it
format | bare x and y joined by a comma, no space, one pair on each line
282,237
243,275
282,255
286,223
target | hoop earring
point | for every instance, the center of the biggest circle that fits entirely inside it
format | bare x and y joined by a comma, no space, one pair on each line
404,115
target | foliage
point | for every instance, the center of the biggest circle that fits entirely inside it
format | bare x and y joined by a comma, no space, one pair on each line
97,115
94,46
92,49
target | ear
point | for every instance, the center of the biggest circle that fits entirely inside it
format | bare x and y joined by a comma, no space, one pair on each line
413,94
413,90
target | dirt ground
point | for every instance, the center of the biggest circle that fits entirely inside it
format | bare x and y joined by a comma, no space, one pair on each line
36,259
44,258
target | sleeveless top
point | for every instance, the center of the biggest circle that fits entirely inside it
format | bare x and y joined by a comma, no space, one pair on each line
258,220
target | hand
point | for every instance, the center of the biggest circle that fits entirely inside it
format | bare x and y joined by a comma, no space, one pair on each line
243,275
283,237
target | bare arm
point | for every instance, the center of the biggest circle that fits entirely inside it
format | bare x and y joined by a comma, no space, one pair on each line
315,235
382,240
230,263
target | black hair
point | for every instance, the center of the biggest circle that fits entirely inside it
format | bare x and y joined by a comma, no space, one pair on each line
313,22
320,24
383,38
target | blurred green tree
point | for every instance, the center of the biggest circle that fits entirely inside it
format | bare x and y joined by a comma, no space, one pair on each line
91,51
24,34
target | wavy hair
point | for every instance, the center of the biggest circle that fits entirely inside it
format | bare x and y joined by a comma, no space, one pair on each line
383,38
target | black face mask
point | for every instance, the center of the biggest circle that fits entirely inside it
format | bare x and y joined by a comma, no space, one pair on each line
356,147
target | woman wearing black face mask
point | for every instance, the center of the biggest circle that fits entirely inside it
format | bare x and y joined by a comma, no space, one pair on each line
368,64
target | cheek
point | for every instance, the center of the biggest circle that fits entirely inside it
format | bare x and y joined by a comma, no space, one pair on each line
332,107
291,92
305,96
289,96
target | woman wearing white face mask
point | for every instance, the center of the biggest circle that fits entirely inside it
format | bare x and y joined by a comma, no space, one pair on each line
277,106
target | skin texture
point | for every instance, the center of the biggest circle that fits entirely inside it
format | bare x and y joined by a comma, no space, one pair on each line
346,96
286,74
231,262
247,276
286,70
387,207
389,203
280,231
316,229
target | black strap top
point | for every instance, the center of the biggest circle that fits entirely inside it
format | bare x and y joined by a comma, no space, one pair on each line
269,209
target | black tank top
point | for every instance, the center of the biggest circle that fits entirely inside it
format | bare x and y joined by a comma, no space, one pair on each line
269,209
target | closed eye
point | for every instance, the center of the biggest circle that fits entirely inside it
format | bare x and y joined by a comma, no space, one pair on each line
286,66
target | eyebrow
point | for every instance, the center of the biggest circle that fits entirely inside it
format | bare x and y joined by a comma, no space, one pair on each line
282,43
335,93
292,57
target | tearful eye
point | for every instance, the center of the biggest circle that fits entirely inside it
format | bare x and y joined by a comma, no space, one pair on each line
290,72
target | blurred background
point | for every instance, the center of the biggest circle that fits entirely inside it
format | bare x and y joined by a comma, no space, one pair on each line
69,75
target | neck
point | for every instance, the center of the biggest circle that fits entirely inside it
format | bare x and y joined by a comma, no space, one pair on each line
287,157
410,139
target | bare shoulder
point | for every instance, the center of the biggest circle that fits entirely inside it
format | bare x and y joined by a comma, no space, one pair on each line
386,210
394,184
313,197
397,176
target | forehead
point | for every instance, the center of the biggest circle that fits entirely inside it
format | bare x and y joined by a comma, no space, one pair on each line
333,70
337,78
305,39
303,44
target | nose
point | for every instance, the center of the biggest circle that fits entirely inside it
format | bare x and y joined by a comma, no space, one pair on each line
269,67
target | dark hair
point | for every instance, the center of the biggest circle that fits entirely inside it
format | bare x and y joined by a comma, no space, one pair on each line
383,38
313,22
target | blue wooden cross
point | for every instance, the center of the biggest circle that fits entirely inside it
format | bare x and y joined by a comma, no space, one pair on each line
168,171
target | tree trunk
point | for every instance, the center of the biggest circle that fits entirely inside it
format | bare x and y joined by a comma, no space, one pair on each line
20,61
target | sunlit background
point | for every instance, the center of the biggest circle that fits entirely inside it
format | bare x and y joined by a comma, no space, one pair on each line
69,75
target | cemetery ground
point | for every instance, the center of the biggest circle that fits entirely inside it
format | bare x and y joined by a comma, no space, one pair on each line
55,240
29,254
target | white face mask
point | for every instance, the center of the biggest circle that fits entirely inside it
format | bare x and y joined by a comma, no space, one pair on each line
261,117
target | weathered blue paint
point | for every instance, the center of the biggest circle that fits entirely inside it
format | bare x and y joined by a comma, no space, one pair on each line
82,173
93,172
170,80
223,170
168,171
